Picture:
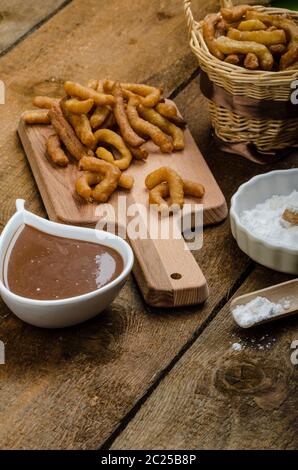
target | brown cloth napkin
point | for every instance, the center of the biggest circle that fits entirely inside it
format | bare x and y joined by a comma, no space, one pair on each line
253,109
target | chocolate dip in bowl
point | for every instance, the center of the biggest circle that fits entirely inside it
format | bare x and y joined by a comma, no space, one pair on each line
55,275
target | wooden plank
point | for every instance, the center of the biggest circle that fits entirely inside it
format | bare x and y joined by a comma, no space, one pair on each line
160,287
76,371
219,398
154,260
71,388
86,39
58,184
17,18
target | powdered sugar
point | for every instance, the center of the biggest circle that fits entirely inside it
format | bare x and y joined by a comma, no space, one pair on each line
257,310
236,347
292,208
265,221
262,343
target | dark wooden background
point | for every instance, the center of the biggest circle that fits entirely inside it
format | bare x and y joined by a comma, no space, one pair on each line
136,377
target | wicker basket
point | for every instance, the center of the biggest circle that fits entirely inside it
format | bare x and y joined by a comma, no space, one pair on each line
265,135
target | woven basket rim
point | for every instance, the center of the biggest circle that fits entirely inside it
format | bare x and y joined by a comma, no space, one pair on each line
197,42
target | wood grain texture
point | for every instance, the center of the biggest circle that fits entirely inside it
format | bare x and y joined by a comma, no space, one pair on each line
57,185
219,398
86,379
18,17
157,261
86,39
72,388
68,42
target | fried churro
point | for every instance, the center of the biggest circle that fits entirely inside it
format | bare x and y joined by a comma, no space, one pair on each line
209,29
76,106
146,128
67,134
85,93
39,116
128,134
231,46
45,101
175,182
164,124
55,151
115,140
107,185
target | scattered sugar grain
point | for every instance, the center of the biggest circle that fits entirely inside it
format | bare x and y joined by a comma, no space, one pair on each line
236,347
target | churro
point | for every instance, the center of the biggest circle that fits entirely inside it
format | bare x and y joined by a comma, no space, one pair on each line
55,151
252,25
251,61
175,182
144,127
235,14
126,130
67,134
45,101
209,29
165,125
101,112
76,106
85,93
159,193
268,38
39,116
88,179
108,184
115,140
231,46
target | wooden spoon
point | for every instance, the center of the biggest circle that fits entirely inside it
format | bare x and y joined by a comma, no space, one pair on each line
285,292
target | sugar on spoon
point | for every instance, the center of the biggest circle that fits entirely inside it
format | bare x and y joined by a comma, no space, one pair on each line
266,305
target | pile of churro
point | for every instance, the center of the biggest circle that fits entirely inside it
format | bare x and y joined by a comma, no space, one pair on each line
251,39
103,126
165,183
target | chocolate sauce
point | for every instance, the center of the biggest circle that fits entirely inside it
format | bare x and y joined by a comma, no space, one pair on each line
47,267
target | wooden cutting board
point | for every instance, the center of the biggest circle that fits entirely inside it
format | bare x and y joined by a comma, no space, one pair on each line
165,270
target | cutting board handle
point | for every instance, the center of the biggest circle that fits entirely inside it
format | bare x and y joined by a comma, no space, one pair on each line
167,273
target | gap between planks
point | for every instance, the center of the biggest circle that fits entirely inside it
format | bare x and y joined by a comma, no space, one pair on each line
223,297
163,373
219,400
34,28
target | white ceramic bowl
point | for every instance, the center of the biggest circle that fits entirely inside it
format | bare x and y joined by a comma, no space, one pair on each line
256,191
64,312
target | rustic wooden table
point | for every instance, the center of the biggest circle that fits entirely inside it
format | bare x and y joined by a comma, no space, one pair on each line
136,377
